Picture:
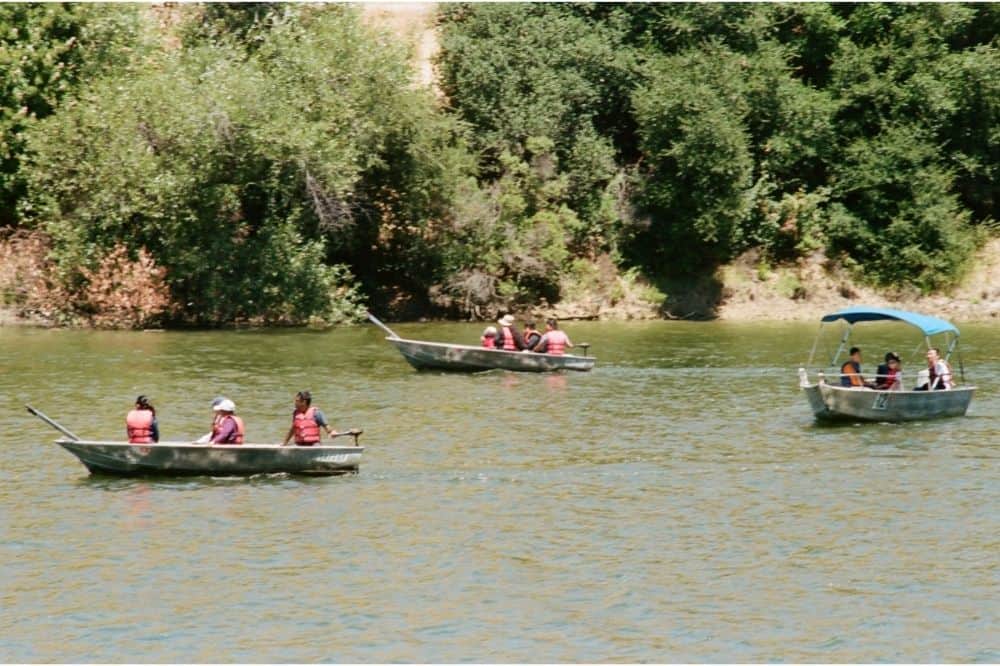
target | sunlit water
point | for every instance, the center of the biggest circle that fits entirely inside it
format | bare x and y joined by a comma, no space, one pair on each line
678,503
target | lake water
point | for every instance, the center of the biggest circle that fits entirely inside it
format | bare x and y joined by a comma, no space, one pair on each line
678,503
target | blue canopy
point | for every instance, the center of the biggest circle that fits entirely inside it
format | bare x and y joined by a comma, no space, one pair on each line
929,325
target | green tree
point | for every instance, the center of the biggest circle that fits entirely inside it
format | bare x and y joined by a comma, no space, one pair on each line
46,52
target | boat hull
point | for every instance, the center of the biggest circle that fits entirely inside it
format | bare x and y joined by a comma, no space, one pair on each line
181,459
466,358
835,403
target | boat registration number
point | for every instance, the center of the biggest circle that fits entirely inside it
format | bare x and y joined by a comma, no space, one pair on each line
336,458
881,402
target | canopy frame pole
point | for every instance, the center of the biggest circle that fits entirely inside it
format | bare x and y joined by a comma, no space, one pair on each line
812,353
952,343
843,344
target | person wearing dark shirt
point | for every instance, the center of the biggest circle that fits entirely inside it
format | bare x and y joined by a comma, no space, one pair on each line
850,371
531,335
888,378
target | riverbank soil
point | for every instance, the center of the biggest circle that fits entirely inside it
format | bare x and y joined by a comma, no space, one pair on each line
813,287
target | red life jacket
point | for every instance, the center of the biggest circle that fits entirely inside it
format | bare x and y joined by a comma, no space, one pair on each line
488,342
508,339
305,426
237,437
556,342
139,425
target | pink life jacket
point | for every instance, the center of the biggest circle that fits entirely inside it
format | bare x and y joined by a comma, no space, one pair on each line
139,425
237,436
556,342
305,426
488,342
508,339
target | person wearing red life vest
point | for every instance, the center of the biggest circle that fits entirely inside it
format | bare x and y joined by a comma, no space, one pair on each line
508,338
140,423
228,428
531,336
489,338
553,341
306,422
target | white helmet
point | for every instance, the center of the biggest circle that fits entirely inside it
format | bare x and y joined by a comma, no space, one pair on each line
224,406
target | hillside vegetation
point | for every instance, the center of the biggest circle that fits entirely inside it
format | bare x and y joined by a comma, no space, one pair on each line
282,164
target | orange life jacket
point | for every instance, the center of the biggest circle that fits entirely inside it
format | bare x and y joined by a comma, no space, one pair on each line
488,342
556,342
305,426
508,339
852,374
237,436
139,425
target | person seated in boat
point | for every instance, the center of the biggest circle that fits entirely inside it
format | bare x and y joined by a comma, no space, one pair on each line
140,423
216,417
489,338
228,428
531,336
888,377
306,422
553,341
939,371
508,339
850,371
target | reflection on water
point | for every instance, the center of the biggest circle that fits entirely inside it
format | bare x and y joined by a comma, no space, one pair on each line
678,503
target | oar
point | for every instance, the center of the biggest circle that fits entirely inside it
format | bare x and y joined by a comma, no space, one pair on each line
353,432
52,423
385,328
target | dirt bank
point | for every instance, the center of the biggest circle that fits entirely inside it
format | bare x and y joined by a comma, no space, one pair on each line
753,291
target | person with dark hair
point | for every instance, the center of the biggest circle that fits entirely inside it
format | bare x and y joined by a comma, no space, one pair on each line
888,377
553,341
940,372
306,422
850,371
140,423
531,336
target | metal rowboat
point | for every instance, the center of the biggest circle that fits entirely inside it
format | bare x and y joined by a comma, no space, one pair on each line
190,458
179,458
424,355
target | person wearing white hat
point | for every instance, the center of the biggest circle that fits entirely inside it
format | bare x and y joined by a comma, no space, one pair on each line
216,418
489,338
228,428
508,338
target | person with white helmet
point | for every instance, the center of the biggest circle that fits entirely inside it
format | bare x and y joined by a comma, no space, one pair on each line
489,338
216,417
228,428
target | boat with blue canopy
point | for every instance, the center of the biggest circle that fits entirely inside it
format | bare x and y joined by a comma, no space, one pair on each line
871,400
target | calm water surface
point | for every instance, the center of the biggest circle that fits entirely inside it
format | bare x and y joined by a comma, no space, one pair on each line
676,504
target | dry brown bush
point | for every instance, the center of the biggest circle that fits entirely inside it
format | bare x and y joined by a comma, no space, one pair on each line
26,287
119,293
125,293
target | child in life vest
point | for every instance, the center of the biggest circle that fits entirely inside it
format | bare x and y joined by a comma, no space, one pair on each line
489,338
